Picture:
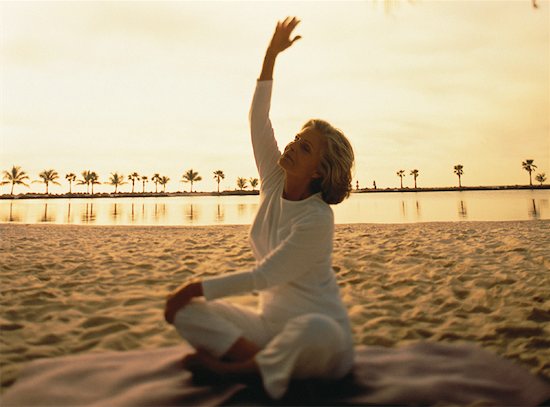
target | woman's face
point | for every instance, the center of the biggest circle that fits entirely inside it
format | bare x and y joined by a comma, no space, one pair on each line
302,157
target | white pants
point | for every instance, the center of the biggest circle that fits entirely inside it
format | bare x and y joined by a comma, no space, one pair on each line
308,346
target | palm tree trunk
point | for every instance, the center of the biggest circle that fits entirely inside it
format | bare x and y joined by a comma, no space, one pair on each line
414,182
47,188
218,186
12,185
530,179
401,182
70,187
459,183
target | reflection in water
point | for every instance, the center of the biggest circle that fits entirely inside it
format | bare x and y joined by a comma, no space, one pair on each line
462,211
533,213
45,217
12,217
115,213
191,213
220,214
241,209
88,216
159,211
367,208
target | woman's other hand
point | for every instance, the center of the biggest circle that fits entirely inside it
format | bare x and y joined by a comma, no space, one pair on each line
281,38
179,298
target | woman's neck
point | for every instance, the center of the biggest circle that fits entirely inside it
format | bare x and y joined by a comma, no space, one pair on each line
296,189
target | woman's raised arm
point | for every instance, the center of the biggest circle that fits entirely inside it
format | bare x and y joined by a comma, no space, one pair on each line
280,41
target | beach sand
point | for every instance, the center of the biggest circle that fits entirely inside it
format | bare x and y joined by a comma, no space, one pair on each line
71,289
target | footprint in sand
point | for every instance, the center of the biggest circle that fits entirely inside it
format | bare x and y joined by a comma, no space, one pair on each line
96,321
101,332
49,339
539,315
519,331
10,326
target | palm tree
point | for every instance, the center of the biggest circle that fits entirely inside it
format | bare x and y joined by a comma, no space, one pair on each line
163,181
241,183
218,176
156,180
47,177
191,176
401,174
71,178
459,170
116,179
414,173
529,167
15,177
85,180
144,180
253,183
94,180
541,177
133,177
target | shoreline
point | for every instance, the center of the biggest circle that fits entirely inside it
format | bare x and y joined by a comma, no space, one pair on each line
249,193
448,223
456,189
126,195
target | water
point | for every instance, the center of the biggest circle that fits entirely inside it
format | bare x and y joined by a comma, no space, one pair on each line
388,207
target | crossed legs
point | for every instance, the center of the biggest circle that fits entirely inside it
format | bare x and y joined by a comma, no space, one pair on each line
236,342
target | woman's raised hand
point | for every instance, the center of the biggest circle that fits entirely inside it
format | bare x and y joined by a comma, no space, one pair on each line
281,38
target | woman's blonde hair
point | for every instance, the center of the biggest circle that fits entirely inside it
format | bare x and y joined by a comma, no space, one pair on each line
336,163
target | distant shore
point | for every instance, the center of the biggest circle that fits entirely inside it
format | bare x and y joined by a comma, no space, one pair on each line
127,195
444,189
32,195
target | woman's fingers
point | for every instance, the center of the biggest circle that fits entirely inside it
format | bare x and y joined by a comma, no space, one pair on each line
296,39
288,24
281,38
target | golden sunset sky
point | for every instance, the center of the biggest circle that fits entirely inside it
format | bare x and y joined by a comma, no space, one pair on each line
166,86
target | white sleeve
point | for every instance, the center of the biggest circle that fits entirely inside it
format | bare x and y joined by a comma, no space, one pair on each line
308,244
266,151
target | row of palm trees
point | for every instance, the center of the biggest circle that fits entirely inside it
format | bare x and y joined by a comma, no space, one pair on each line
90,178
16,176
527,165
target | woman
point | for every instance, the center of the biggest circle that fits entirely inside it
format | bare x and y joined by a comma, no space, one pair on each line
301,329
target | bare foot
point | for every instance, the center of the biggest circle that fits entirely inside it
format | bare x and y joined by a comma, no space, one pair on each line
204,361
208,369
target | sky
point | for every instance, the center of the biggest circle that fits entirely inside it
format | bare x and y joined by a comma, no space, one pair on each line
163,87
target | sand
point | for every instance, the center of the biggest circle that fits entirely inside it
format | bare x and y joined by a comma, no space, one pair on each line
71,289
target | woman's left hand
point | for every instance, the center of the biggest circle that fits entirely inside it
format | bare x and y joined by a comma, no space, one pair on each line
180,298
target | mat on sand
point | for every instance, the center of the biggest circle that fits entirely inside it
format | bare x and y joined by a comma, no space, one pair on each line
425,373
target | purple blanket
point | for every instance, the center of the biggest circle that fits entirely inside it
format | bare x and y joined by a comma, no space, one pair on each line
425,373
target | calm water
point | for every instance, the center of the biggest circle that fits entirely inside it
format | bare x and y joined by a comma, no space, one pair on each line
359,208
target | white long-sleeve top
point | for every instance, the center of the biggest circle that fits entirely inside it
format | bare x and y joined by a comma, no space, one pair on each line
291,240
